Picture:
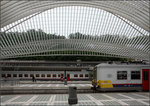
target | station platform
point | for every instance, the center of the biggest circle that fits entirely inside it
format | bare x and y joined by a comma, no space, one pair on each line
55,82
92,99
45,87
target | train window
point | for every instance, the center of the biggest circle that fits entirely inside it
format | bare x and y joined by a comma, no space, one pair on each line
3,75
48,75
37,75
81,75
135,75
31,75
43,75
14,75
20,75
62,75
122,75
86,75
75,75
68,75
25,75
58,75
8,75
54,75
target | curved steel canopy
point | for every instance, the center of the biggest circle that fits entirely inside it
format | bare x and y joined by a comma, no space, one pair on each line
133,13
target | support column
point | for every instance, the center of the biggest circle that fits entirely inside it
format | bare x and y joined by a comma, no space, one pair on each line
65,78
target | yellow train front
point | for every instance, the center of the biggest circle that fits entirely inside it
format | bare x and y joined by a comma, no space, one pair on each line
119,77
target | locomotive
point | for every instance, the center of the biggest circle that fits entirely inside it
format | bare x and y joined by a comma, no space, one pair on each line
112,77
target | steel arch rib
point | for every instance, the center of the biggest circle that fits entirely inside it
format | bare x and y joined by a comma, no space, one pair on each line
110,4
135,12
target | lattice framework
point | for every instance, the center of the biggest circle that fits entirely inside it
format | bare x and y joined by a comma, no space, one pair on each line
126,21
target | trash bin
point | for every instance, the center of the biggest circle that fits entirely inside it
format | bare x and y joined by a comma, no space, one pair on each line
72,95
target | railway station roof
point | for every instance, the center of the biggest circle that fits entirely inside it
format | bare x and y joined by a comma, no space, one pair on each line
83,28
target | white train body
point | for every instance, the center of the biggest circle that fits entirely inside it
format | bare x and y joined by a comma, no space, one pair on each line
119,77
45,75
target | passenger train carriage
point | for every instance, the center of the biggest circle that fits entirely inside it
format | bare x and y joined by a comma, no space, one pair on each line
47,75
111,77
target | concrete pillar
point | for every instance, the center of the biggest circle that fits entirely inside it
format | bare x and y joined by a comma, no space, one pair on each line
65,78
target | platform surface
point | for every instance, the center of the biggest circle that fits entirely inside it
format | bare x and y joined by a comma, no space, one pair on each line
46,86
93,99
55,82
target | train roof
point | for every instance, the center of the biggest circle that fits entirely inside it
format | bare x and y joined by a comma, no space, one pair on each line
123,65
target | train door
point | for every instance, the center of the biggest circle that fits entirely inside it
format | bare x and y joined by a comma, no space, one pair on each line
145,79
61,77
68,77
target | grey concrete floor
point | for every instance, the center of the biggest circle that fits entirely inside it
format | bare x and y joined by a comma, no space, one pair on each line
46,85
92,99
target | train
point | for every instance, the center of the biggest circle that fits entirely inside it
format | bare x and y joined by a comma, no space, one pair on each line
104,77
82,75
118,77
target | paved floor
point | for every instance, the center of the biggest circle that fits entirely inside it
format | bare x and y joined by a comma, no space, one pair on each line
55,82
47,85
96,99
